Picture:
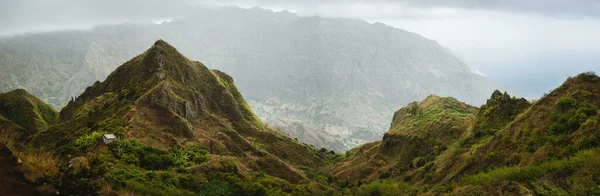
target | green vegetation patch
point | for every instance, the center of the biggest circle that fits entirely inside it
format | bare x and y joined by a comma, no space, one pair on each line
584,165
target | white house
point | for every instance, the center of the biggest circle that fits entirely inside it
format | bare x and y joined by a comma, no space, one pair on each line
109,138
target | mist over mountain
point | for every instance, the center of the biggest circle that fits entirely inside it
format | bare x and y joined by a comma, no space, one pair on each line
331,82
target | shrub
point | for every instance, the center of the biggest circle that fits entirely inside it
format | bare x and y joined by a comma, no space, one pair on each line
198,155
172,182
180,157
217,188
566,103
133,152
525,173
385,188
588,76
344,183
89,140
571,117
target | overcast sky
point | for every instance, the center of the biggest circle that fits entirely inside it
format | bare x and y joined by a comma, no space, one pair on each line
529,46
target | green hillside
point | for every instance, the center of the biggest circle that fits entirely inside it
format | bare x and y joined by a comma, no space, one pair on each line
511,147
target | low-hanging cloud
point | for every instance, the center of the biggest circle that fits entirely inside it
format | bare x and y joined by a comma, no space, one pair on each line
496,36
559,8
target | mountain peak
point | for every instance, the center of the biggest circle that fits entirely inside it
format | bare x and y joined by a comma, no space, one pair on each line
163,48
161,42
160,63
165,100
26,110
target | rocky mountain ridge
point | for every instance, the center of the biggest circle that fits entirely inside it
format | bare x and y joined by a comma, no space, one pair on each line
342,78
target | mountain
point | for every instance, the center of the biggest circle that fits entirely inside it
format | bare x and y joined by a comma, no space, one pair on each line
182,129
27,111
509,147
339,78
419,132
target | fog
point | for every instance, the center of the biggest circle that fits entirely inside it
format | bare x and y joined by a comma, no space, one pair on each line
527,46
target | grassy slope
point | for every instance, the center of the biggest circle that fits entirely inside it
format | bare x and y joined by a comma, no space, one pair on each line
548,147
514,148
27,111
420,131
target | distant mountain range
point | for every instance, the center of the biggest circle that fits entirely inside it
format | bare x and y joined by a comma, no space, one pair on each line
330,82
185,129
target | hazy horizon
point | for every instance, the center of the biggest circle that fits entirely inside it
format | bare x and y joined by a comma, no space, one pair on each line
528,47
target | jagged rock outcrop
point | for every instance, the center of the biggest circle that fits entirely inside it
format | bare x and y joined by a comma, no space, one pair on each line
499,110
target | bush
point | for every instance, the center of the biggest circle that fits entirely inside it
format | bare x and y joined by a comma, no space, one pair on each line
525,173
217,188
172,182
588,76
344,183
89,140
385,188
566,103
571,116
418,162
133,152
179,157
198,155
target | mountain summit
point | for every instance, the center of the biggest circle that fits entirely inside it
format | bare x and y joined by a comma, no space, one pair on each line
173,109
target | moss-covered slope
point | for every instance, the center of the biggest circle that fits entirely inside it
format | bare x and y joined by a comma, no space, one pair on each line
27,111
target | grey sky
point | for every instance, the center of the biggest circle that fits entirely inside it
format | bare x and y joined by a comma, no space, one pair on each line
527,45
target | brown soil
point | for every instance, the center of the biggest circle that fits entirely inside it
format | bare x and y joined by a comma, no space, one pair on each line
11,178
